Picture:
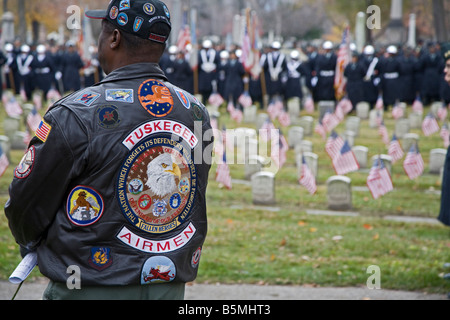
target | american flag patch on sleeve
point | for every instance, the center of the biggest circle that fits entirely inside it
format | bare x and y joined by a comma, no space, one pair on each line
43,131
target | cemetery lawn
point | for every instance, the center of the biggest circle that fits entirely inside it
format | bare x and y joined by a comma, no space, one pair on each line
285,245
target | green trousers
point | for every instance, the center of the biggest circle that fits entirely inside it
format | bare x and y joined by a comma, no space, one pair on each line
169,291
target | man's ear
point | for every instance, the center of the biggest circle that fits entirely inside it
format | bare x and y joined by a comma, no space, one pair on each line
116,38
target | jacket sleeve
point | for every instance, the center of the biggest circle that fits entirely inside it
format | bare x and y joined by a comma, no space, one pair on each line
37,195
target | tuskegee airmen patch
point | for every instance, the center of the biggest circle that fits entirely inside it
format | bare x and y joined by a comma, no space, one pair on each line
157,184
25,166
156,98
84,206
158,269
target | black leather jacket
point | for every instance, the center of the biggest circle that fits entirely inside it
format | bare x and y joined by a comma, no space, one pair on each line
114,183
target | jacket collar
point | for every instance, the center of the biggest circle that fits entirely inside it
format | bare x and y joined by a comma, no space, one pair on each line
135,71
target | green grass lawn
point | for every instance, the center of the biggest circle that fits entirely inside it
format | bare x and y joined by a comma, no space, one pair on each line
285,245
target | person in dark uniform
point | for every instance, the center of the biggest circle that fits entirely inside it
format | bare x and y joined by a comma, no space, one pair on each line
3,60
355,73
431,65
71,65
44,70
208,60
325,70
390,75
311,52
12,75
297,69
222,72
407,75
93,72
371,79
24,61
444,214
234,84
182,73
112,189
275,67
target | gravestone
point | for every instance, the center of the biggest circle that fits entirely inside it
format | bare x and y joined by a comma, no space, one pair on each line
349,136
362,110
353,124
250,114
387,160
254,165
324,107
11,125
307,122
401,127
437,160
241,135
435,106
295,136
312,162
17,141
361,154
304,146
415,120
263,188
261,118
339,193
373,117
408,140
293,106
248,149
6,146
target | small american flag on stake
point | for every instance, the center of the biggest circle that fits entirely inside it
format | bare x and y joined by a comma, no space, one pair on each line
334,145
379,180
395,149
430,125
345,161
307,178
413,164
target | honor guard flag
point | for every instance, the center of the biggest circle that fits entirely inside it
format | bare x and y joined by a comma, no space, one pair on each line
413,164
307,178
379,180
345,161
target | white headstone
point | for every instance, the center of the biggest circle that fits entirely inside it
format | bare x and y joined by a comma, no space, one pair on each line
263,188
409,139
387,160
401,127
361,154
362,110
339,193
353,124
307,123
437,160
295,136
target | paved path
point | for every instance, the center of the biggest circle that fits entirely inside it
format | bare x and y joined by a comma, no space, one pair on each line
34,290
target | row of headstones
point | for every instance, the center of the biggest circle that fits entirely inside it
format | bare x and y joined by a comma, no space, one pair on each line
339,191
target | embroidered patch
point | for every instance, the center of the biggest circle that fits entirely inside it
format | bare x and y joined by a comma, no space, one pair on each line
169,180
84,206
157,247
43,131
156,98
122,19
25,166
120,95
158,269
100,258
124,5
149,9
160,126
196,258
198,113
183,97
114,12
108,117
137,24
87,98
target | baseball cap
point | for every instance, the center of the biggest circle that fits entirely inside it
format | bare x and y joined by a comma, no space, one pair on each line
136,17
445,48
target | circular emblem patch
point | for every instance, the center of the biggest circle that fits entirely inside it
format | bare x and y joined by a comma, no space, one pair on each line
84,206
25,166
114,12
108,117
149,9
157,184
122,19
158,269
156,98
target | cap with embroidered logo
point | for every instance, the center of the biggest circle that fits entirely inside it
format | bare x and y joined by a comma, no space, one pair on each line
136,17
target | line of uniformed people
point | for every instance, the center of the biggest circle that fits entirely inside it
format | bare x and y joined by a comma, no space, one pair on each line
396,75
47,67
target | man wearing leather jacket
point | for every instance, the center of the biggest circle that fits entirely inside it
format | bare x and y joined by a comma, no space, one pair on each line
109,192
